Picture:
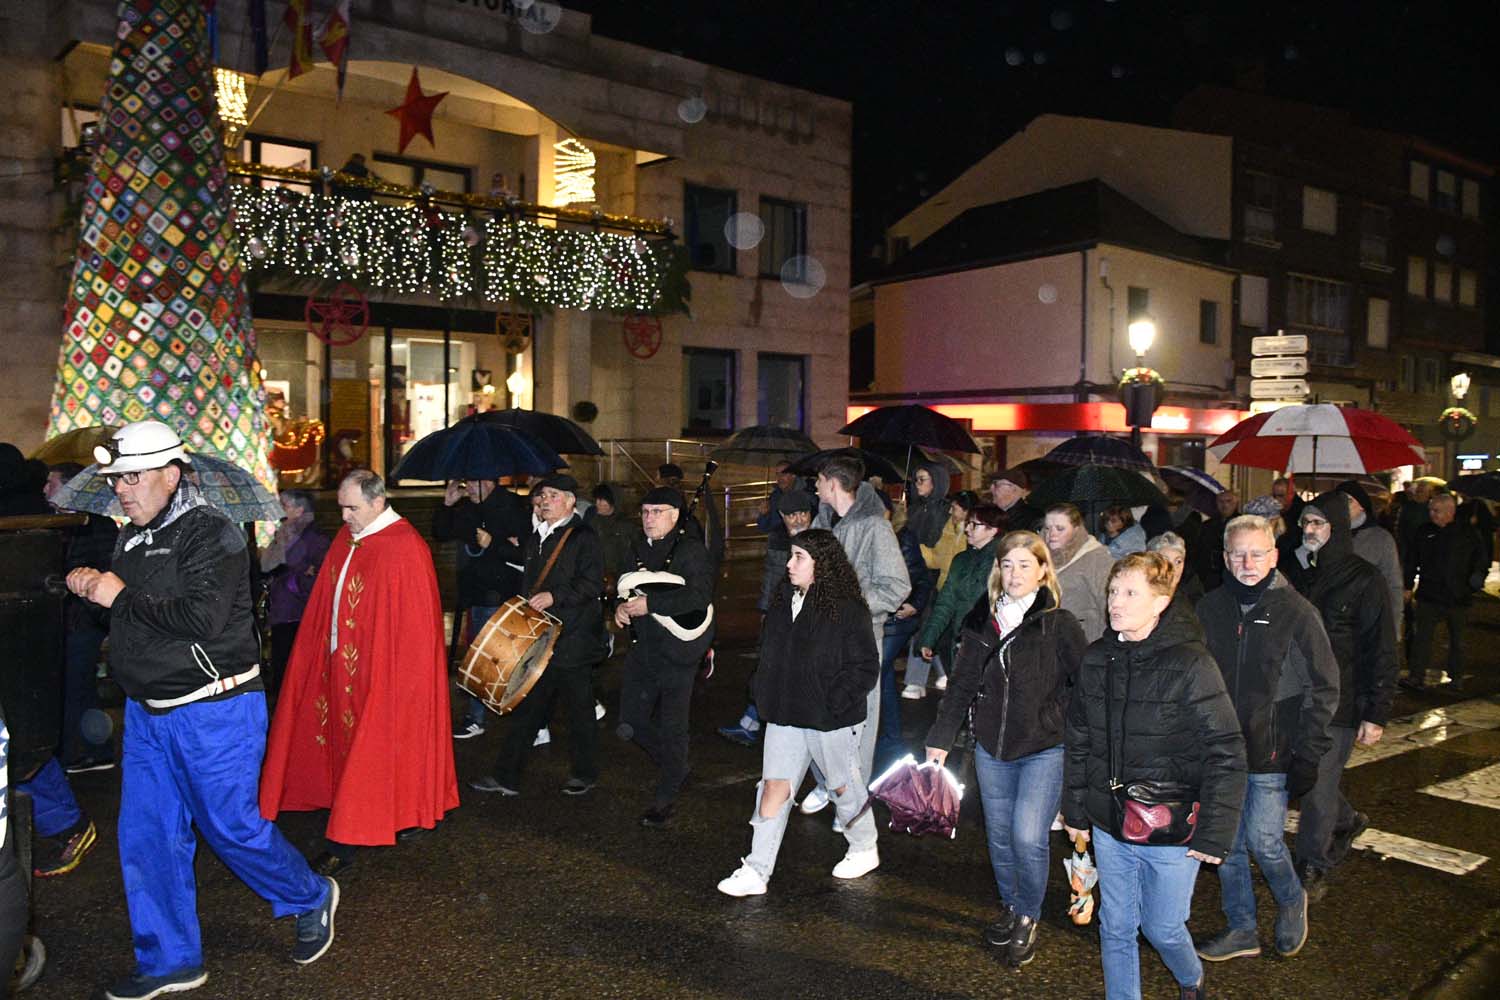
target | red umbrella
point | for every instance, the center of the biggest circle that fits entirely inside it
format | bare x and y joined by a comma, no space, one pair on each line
1319,438
923,798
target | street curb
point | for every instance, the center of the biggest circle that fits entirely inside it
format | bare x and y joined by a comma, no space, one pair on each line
1474,974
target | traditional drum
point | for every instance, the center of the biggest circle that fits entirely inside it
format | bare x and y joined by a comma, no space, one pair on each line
507,657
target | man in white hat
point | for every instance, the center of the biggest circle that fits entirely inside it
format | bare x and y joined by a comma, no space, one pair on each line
184,650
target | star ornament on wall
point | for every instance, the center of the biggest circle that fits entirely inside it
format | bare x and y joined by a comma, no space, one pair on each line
415,114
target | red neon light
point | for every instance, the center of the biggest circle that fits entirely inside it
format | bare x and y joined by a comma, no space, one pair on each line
997,418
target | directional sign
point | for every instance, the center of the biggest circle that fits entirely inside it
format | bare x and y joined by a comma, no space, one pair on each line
1267,405
1278,367
1278,388
1293,343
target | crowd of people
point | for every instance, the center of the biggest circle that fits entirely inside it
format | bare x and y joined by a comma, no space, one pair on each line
1160,689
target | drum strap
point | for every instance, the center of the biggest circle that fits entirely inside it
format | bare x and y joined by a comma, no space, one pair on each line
536,588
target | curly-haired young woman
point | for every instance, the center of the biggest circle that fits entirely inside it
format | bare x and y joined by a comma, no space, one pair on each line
818,663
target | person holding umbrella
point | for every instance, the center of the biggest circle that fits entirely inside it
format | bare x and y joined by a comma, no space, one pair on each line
1017,660
968,576
818,663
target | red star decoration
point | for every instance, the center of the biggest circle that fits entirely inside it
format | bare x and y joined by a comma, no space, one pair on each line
415,115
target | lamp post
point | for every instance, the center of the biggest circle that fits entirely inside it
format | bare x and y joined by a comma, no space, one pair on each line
1141,333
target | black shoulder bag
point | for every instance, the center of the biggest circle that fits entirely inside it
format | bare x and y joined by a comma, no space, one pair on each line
1157,813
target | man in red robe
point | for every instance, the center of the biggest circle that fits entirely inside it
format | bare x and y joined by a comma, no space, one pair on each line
362,726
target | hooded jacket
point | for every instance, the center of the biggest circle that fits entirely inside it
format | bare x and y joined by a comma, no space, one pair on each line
873,551
1352,598
1158,711
1017,686
1278,669
1083,574
1377,546
926,516
968,579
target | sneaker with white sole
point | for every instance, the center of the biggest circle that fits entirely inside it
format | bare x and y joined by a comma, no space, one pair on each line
838,824
467,730
543,737
139,987
816,801
857,863
941,683
315,928
745,881
914,692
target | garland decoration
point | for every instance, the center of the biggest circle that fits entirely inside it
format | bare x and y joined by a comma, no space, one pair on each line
1457,423
1141,376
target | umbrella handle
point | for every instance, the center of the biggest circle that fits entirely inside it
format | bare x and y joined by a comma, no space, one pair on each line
1080,844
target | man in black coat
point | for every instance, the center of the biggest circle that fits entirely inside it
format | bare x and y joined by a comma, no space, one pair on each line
1353,599
1449,558
1284,682
1208,555
564,576
671,627
1009,489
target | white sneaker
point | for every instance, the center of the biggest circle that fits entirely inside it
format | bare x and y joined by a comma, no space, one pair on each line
941,683
915,692
745,881
857,863
838,824
598,710
816,801
543,737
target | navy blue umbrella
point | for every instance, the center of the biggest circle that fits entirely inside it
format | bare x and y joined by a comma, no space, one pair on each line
563,435
478,449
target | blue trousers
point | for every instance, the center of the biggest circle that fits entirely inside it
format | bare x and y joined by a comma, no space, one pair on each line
889,746
1147,890
1020,801
53,807
479,615
1262,833
199,763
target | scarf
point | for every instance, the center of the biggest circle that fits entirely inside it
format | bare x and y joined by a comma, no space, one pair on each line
187,497
1246,594
1010,611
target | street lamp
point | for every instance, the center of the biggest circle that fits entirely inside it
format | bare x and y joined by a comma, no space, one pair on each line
1141,332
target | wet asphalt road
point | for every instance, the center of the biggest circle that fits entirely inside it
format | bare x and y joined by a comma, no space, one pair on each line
548,896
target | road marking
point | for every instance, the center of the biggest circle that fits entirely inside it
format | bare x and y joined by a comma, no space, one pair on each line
1477,788
1417,852
1429,728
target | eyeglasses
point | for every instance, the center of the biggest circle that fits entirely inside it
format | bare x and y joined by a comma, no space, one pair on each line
1252,555
655,511
128,478
973,525
1314,522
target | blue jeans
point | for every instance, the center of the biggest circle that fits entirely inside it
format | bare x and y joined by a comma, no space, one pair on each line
1020,802
1146,889
889,746
1262,833
53,807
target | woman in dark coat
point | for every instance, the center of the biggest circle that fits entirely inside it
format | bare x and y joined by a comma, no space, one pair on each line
1017,656
818,663
1150,706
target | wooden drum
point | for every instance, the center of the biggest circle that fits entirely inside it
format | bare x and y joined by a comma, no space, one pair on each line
507,657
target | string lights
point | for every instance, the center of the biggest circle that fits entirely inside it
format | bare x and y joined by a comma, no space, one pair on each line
573,172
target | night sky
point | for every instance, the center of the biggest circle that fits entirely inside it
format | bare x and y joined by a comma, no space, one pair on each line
937,85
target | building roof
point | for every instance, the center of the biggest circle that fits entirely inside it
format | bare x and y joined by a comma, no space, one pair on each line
1059,220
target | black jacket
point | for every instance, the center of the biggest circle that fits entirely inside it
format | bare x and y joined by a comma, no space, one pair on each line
1279,671
186,584
486,577
1019,686
1158,709
1451,563
816,671
1022,516
686,556
1354,600
575,582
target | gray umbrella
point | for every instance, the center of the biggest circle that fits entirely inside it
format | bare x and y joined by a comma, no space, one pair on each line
764,445
224,485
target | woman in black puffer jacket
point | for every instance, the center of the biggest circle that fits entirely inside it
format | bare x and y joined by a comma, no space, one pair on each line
1017,657
1150,706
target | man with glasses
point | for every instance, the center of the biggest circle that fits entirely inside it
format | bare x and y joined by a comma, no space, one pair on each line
183,649
1283,680
1353,599
657,689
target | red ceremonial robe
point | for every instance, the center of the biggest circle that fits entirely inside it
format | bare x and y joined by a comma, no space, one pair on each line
365,732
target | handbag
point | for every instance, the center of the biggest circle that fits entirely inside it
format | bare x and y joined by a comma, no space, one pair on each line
1155,813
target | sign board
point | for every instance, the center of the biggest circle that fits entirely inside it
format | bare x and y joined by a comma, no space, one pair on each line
1278,367
1267,405
1278,388
1287,343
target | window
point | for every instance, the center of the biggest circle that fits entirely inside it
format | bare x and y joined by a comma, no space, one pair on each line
1254,298
785,240
415,173
1260,207
1138,303
780,392
1446,196
708,390
1374,236
1471,198
1442,282
275,152
1319,308
1320,210
1468,288
1378,323
705,213
1408,374
1418,180
1416,277
1429,380
76,124
1208,322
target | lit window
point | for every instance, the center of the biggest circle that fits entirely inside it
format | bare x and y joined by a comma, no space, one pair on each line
1416,277
1378,323
1320,210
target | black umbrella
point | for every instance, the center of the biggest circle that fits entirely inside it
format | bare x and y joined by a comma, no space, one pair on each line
912,425
809,465
1096,449
1095,484
1197,487
475,448
561,434
898,453
1484,485
764,445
